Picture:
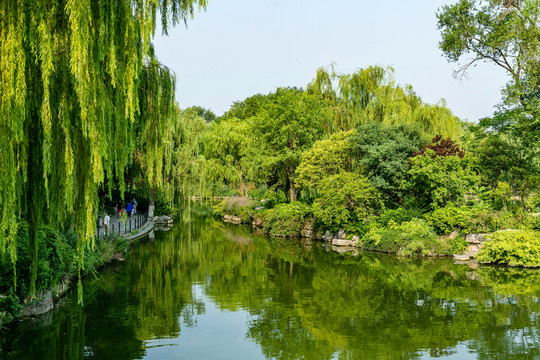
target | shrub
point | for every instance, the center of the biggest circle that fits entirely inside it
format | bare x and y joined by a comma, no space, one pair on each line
259,192
237,206
440,179
411,238
398,216
448,218
484,220
56,257
287,219
104,249
476,219
532,222
512,247
345,198
12,307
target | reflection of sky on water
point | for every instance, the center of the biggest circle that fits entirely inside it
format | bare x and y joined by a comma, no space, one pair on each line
217,334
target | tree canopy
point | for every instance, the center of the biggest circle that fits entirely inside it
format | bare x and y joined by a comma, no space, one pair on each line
69,82
370,95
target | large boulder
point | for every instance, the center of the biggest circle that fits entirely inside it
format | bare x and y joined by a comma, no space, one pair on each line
475,238
342,242
162,220
39,306
307,230
232,219
327,237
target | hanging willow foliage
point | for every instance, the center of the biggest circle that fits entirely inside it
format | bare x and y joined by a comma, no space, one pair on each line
371,95
156,120
69,77
168,139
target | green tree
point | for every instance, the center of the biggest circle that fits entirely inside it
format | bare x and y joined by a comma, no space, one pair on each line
507,34
156,116
190,171
382,154
504,155
370,95
346,198
206,114
68,97
228,143
327,157
439,180
245,109
288,123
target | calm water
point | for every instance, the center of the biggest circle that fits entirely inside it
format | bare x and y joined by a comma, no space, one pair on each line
207,290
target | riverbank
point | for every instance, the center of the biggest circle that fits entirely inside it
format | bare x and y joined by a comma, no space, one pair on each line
108,248
444,232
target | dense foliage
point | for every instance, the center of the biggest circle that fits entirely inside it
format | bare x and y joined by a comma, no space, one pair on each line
512,247
345,198
287,219
70,77
372,160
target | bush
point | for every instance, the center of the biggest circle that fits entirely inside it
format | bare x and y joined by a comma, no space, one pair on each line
12,307
56,257
532,222
448,218
397,216
237,206
104,249
287,219
411,238
476,219
512,247
345,198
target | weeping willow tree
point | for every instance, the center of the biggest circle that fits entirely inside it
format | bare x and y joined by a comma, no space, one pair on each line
189,169
156,120
69,77
370,95
168,139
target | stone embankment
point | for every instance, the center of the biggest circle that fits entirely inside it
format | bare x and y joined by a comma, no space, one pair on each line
232,219
475,242
162,223
338,242
44,301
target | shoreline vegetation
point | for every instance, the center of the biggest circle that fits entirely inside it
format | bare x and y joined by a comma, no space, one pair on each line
398,232
57,268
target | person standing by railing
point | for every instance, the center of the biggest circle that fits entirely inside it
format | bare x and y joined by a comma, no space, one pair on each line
106,222
119,209
129,209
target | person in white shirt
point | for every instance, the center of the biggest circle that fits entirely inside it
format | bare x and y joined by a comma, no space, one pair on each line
106,222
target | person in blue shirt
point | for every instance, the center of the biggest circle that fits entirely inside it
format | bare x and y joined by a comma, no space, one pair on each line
129,208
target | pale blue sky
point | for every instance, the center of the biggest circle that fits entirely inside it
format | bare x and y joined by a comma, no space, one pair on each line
238,48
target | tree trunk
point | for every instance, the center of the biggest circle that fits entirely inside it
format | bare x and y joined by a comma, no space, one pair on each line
292,189
242,187
152,203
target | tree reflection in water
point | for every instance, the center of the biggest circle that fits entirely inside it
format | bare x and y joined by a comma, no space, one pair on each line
302,302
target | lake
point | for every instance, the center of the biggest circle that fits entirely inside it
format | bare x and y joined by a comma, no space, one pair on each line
208,290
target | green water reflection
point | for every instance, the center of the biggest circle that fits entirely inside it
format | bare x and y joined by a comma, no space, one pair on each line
206,290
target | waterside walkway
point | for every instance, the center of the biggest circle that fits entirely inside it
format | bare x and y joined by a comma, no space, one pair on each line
133,227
